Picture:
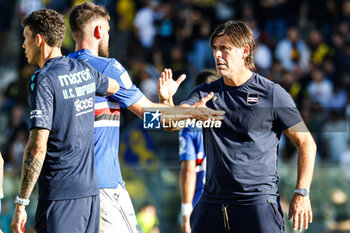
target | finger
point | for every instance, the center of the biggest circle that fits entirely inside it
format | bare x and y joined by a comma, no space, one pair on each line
306,222
167,77
301,217
181,79
170,74
290,213
207,98
310,215
163,77
295,220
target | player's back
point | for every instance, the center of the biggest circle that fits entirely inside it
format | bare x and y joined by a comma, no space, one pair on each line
62,100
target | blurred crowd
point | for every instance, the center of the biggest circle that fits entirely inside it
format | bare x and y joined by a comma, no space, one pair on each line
304,45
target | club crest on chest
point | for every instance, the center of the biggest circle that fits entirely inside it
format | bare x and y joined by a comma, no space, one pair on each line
252,98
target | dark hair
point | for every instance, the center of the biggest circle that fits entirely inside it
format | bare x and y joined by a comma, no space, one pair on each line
202,77
48,23
83,14
240,34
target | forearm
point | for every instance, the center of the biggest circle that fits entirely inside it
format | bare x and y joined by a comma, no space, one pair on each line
1,175
31,168
187,182
33,159
306,163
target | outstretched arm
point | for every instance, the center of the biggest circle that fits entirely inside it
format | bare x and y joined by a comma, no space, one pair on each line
300,206
33,159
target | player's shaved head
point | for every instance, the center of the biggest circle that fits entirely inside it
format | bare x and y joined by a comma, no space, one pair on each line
83,14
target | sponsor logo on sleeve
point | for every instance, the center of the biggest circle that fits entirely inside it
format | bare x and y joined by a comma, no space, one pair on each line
126,80
36,114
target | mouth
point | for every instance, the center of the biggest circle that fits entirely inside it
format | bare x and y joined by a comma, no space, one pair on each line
220,65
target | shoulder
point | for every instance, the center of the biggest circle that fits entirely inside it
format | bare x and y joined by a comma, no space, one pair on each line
264,83
113,64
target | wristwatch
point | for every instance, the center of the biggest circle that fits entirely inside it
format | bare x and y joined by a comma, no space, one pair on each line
21,201
303,192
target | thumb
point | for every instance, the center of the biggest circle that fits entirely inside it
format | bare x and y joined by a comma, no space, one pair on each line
181,79
203,101
207,98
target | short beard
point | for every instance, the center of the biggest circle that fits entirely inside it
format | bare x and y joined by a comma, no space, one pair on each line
103,50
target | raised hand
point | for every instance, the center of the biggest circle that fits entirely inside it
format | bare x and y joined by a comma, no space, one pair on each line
167,87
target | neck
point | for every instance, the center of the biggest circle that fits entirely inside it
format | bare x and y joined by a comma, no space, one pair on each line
238,78
87,44
47,53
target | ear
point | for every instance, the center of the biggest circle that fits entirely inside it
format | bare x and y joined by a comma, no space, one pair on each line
98,32
246,51
39,40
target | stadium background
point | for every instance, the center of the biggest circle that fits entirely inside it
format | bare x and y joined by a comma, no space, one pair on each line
302,44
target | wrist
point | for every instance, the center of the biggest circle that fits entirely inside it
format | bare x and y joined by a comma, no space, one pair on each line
21,201
302,192
186,208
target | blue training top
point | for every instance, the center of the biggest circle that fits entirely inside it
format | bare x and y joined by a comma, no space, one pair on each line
107,117
242,154
191,147
62,100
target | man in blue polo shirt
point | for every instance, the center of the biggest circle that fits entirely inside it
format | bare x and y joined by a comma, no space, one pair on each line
241,192
60,150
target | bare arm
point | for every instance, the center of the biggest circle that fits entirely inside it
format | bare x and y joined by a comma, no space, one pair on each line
300,207
33,159
187,180
187,188
113,87
1,176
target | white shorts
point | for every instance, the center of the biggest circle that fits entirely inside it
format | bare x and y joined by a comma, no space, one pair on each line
117,214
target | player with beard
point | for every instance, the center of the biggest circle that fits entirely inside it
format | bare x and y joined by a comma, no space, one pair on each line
60,150
90,27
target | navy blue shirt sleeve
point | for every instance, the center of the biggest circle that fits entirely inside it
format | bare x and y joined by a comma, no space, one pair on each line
41,102
284,108
128,93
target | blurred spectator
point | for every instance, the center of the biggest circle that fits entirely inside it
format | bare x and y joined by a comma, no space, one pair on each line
345,157
318,48
28,6
147,219
334,136
263,58
144,24
320,89
292,52
338,98
274,17
16,149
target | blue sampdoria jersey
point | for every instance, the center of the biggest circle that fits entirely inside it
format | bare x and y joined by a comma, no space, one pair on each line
107,117
62,100
191,148
242,154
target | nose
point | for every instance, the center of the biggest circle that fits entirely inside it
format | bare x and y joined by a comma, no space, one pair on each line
217,53
23,45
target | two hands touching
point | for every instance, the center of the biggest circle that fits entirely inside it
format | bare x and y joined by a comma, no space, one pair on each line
167,88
